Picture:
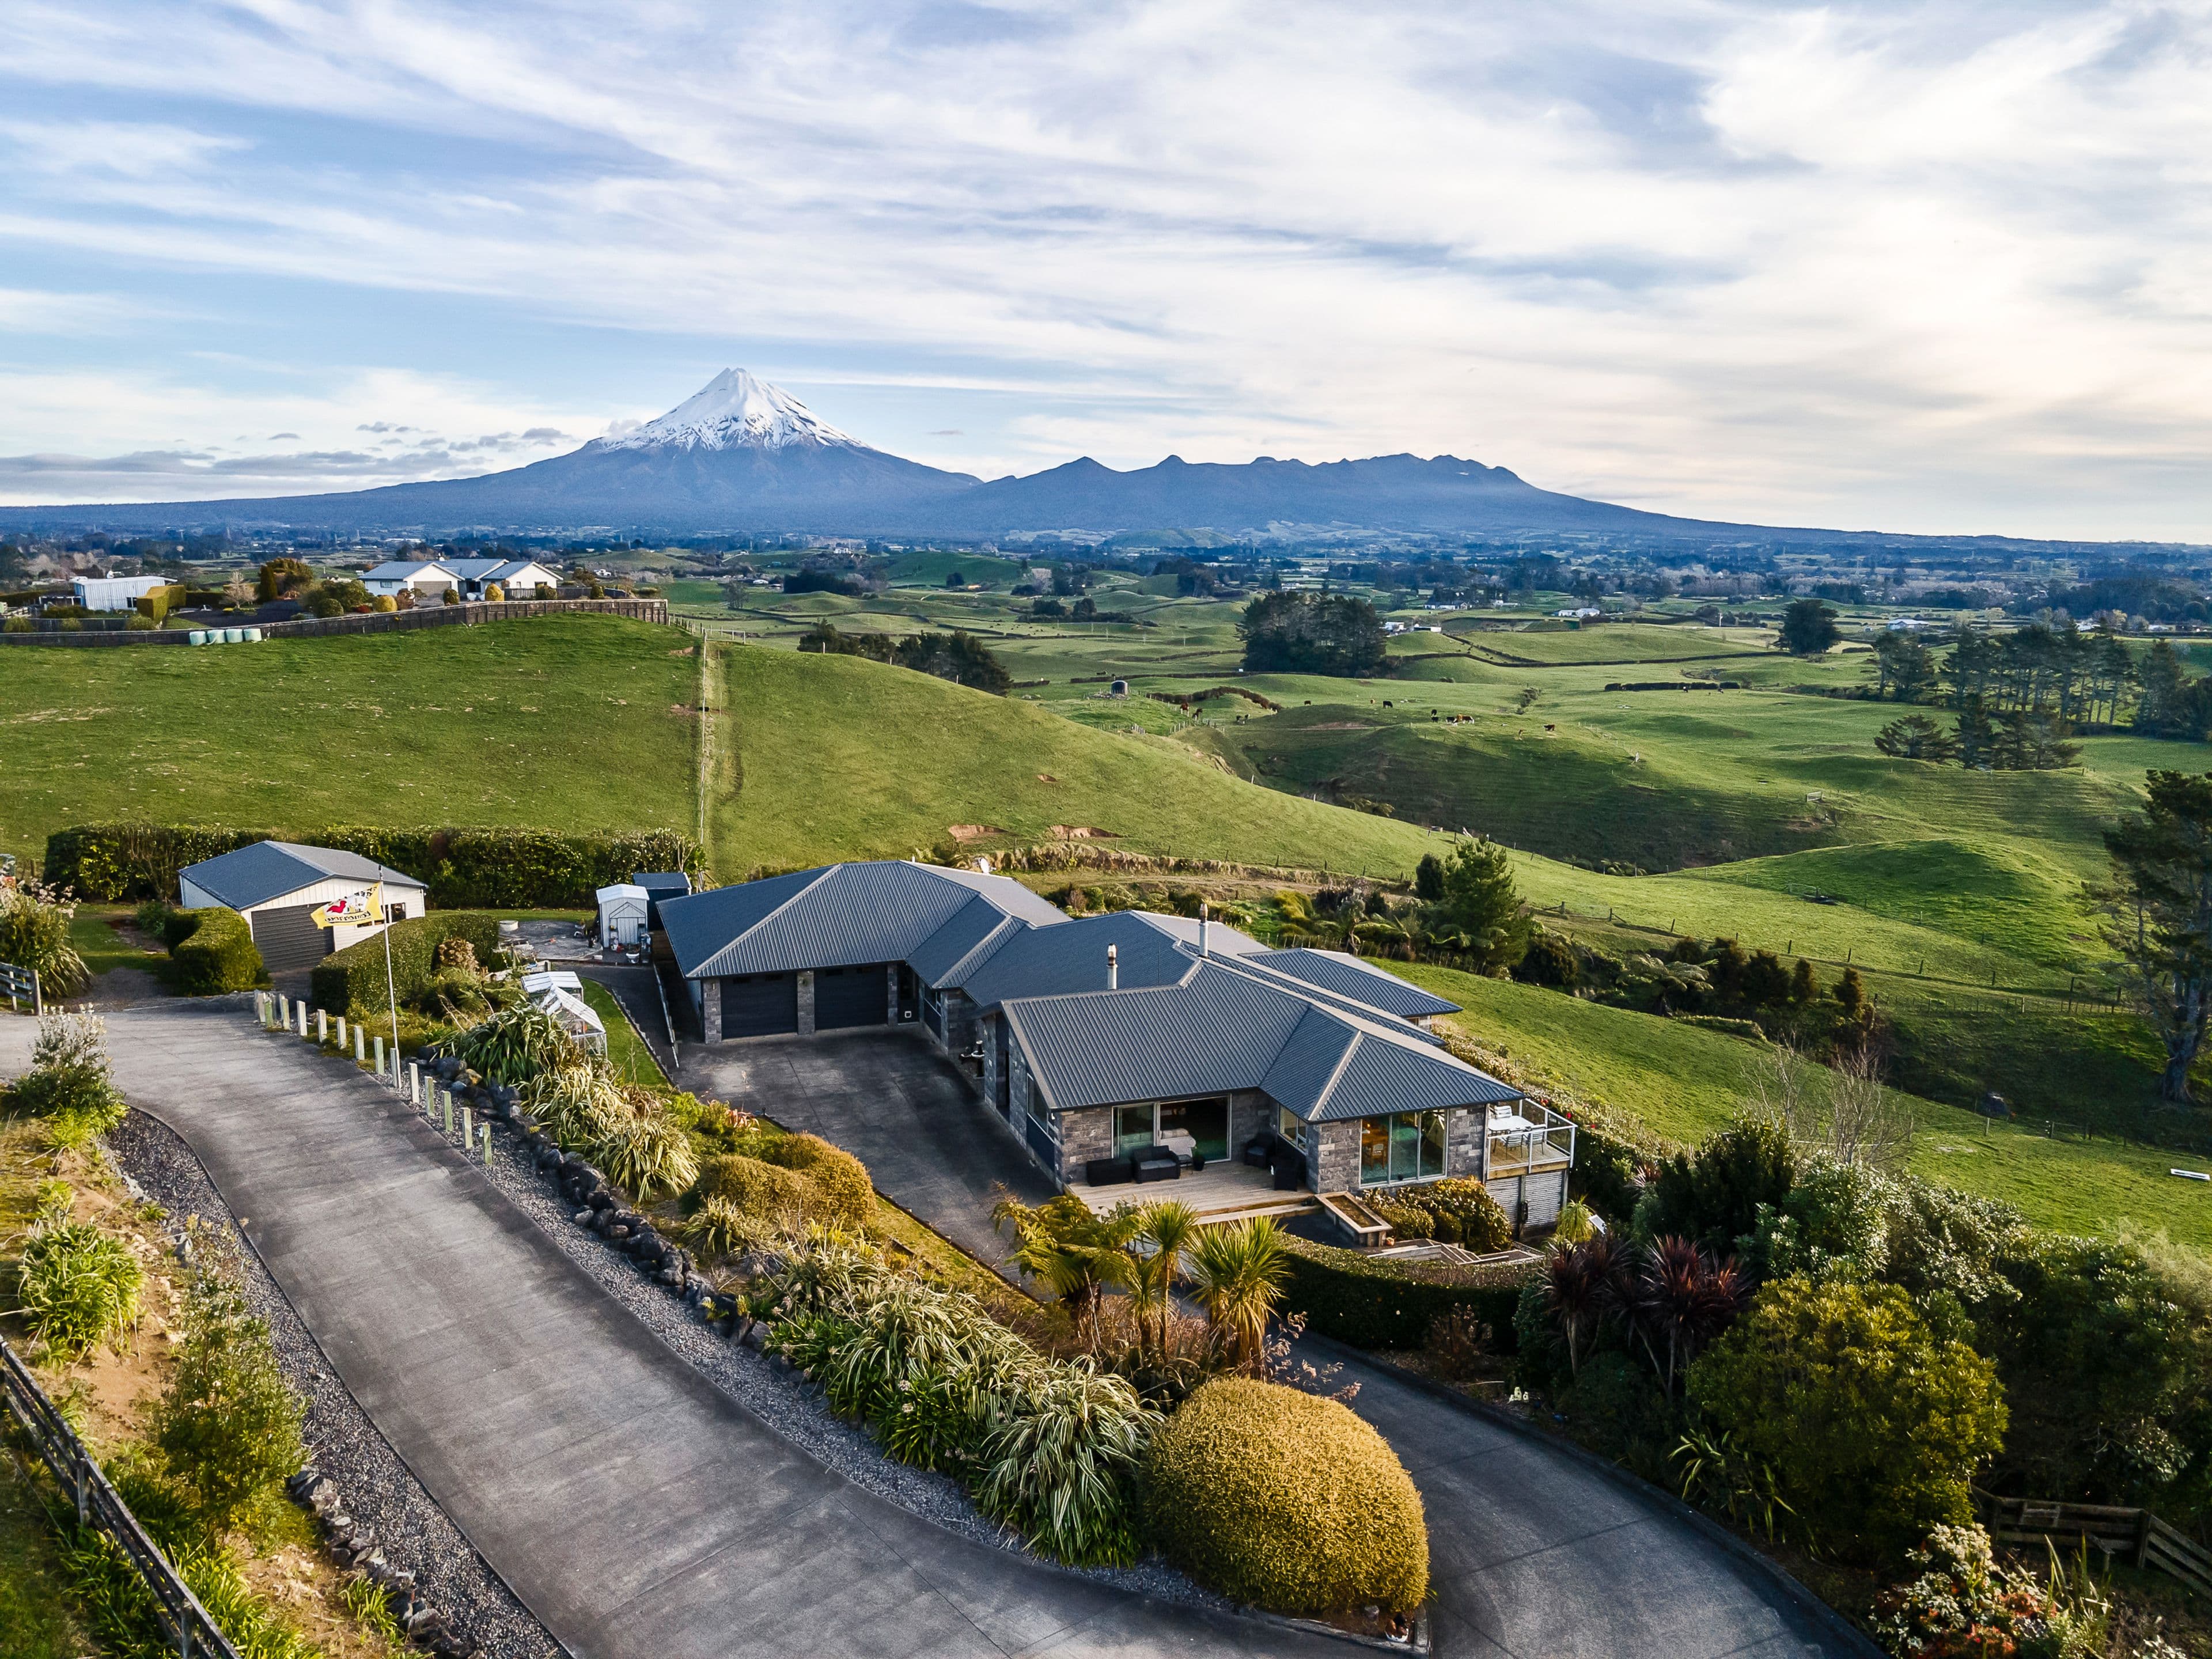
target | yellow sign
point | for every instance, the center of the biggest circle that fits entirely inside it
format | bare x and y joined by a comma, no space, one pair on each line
362,909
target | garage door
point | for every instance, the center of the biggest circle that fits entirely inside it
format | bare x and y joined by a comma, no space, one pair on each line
850,996
760,1005
288,937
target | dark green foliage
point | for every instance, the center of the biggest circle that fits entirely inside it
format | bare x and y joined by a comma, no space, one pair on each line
2099,1367
1479,902
352,981
2170,704
1712,1197
1549,960
1903,668
1808,628
1312,633
1616,1407
2158,916
823,582
280,576
229,1424
1382,1305
1458,1212
525,868
1608,1172
957,656
218,955
1429,878
1916,736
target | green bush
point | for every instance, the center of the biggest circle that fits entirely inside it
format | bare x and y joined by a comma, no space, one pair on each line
228,1424
1713,1197
760,1191
1286,1501
463,869
352,981
517,1045
218,955
648,1155
1387,1304
843,1196
1458,1211
78,1285
34,934
1874,1425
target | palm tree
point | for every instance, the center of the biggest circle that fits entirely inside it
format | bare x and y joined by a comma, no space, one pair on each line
1681,1301
1076,1253
1236,1273
1163,1233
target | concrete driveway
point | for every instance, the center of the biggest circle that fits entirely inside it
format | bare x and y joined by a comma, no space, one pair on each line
635,1509
898,1104
1533,1553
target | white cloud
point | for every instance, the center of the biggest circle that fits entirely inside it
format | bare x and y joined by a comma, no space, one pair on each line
1922,267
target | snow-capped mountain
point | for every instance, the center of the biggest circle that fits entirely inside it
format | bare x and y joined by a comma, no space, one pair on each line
734,410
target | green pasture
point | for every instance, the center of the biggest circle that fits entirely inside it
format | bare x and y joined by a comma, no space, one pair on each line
1610,642
1685,1081
577,722
832,757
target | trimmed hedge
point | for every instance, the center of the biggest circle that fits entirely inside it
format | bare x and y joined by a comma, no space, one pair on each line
1371,1303
529,869
1286,1501
352,981
218,955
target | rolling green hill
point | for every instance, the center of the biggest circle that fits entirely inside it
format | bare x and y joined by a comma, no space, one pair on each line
561,722
827,757
1685,1081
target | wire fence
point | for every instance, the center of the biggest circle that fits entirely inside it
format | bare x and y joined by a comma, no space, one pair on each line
194,1632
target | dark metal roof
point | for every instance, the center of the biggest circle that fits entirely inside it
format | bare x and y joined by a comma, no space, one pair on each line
1053,961
1348,975
837,916
1219,1030
267,870
972,931
661,881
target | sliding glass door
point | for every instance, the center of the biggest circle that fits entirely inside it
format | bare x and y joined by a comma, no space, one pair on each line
1404,1146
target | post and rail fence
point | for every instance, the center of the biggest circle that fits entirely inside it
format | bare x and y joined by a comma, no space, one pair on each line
194,1631
2136,1536
21,985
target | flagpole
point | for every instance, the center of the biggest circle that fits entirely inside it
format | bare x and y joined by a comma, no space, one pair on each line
391,994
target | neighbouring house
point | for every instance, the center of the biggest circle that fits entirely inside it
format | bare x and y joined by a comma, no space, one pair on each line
625,914
425,579
1130,1035
518,578
113,593
277,884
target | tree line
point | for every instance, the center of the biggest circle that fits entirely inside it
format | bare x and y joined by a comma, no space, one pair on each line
2016,699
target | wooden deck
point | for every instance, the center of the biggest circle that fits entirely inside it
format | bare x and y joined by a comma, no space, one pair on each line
1221,1191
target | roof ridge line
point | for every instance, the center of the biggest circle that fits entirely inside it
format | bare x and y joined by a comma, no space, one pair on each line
1336,1071
767,916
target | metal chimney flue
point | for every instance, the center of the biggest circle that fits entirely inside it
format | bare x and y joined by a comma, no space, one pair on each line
1202,914
1113,969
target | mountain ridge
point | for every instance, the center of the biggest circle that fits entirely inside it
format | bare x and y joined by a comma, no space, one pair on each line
744,456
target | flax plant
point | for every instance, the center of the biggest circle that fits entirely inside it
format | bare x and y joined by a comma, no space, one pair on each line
1237,1274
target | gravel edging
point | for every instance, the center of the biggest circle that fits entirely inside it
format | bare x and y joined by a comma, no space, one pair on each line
789,1405
380,1491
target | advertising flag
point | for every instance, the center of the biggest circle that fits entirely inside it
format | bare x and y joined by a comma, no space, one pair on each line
362,909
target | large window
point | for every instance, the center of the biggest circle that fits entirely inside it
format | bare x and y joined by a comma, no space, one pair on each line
1188,1126
1404,1146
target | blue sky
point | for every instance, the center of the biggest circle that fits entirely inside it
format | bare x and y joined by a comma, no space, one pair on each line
1936,268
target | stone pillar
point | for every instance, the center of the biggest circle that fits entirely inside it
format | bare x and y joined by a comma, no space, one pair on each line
1466,1130
710,1009
807,1003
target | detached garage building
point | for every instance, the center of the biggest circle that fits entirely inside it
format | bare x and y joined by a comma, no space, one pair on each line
275,885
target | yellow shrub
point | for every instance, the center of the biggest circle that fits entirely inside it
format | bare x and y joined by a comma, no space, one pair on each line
843,1195
764,1192
1285,1501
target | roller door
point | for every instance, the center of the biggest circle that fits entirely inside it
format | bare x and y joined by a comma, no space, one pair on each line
289,939
850,996
760,1005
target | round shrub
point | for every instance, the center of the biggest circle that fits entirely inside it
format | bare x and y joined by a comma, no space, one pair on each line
1285,1501
843,1195
648,1154
218,956
757,1190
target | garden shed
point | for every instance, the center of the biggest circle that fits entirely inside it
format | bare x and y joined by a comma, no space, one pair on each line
625,914
277,884
113,593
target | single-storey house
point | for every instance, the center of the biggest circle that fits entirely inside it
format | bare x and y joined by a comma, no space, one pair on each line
425,579
518,578
625,912
275,884
113,593
1100,1038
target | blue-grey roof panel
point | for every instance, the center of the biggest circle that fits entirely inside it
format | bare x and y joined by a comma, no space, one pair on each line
837,916
1044,962
1348,977
958,939
248,876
